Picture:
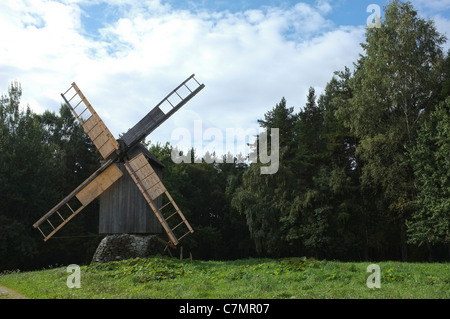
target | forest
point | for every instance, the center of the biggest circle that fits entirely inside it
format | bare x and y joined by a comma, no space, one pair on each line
364,170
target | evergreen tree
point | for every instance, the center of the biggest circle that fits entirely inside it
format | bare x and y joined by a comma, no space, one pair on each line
264,199
202,192
339,177
42,158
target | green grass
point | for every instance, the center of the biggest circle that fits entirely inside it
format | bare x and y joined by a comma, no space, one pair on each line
163,277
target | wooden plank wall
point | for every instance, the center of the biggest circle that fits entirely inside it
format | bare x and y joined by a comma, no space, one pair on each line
123,209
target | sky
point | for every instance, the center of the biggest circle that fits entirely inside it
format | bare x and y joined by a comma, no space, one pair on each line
127,55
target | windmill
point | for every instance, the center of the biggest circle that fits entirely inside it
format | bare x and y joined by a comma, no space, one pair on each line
120,157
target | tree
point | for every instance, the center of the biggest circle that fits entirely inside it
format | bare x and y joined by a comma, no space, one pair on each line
264,199
286,212
202,192
394,86
306,219
339,177
42,159
23,161
430,223
309,141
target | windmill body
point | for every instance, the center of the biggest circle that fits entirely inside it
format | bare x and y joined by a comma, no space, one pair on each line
123,209
127,171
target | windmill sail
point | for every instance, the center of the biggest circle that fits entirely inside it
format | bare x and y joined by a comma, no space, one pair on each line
151,188
99,181
76,201
163,110
92,124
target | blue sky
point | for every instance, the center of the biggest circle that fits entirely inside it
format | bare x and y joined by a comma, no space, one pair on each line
126,55
342,12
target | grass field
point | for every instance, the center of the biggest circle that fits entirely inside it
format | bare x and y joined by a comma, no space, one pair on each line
163,277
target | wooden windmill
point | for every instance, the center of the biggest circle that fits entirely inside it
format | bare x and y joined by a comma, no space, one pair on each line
123,157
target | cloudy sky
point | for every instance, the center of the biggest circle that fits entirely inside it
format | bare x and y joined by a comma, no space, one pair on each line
127,55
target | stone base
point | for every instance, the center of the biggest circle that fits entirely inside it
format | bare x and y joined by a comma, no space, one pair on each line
125,246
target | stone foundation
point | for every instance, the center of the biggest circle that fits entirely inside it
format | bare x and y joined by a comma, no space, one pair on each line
125,246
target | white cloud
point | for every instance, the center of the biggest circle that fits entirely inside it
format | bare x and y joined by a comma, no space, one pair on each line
247,60
435,10
324,6
443,26
434,5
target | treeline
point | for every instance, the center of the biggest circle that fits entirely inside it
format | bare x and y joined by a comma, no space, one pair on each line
42,159
364,169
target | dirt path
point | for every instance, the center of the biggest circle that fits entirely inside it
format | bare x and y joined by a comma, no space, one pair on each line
6,293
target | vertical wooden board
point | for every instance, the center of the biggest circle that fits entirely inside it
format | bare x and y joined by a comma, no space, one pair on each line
123,209
99,184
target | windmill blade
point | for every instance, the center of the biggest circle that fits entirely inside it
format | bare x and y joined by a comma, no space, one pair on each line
92,124
76,201
163,110
151,188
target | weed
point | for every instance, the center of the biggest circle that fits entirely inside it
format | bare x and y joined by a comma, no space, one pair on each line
164,277
299,263
140,269
393,275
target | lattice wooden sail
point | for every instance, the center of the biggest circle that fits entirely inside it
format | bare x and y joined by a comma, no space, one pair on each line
163,110
151,188
76,201
92,124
